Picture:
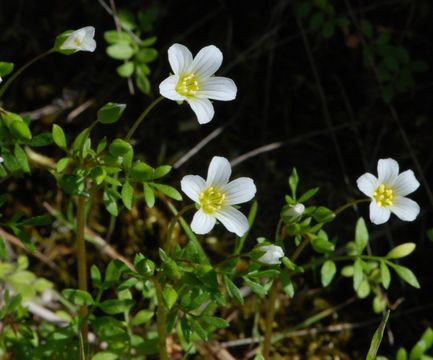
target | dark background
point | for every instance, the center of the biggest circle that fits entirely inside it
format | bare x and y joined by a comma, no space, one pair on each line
325,111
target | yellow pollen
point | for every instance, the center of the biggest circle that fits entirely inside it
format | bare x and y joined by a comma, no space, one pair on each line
77,41
211,200
187,85
384,195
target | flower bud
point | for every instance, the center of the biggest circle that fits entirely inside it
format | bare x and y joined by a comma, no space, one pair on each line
294,211
272,254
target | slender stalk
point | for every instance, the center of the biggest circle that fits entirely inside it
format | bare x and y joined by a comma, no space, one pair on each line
270,314
348,205
82,262
21,69
142,117
161,321
273,293
167,246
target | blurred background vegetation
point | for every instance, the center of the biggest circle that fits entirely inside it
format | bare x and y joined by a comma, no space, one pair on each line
325,86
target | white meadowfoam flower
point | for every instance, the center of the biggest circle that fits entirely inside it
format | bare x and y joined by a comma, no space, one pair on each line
272,255
193,80
1,79
388,192
80,40
295,211
1,159
215,197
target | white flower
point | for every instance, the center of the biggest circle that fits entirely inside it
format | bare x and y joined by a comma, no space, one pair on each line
1,159
193,80
295,211
215,197
80,40
388,192
272,255
1,79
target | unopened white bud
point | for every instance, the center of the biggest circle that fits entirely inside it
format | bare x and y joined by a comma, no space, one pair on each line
272,255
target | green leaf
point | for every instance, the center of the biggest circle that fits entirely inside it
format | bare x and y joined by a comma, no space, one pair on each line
215,322
6,68
78,297
377,338
21,130
127,195
149,196
80,140
358,273
161,171
3,250
126,69
255,287
116,306
401,354
323,214
21,158
422,345
405,274
120,51
169,296
110,202
287,284
385,274
24,238
40,220
114,36
114,271
364,289
322,245
142,317
293,182
119,147
62,164
308,195
146,55
401,251
327,272
142,80
110,113
72,184
59,137
105,355
233,290
127,19
170,191
361,235
40,140
95,275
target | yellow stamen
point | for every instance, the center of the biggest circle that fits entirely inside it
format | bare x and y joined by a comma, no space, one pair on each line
384,195
187,85
211,200
77,41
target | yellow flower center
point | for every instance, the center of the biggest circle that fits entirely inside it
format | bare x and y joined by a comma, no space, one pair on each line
187,85
384,195
211,200
77,41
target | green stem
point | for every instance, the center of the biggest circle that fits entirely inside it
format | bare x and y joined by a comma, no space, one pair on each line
82,262
273,293
167,246
349,204
161,321
141,118
21,69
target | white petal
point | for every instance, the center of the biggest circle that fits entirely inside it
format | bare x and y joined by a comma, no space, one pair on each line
202,223
239,191
387,171
88,45
219,172
233,220
192,186
89,31
179,57
406,209
217,88
203,109
168,88
367,183
206,62
405,183
378,214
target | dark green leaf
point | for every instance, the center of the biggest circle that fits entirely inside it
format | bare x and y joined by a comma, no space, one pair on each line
110,113
78,297
127,195
233,290
59,137
170,191
116,306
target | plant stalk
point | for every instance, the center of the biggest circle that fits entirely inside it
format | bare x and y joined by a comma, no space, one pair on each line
161,321
82,262
142,117
21,70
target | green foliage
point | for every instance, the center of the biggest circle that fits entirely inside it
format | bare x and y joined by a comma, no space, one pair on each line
127,45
